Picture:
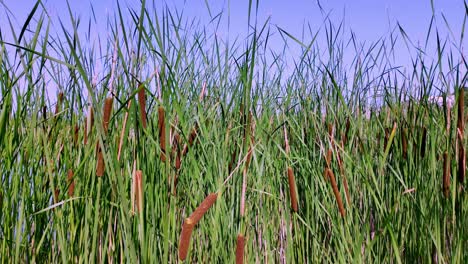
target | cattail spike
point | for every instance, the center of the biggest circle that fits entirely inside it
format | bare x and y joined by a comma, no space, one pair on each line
446,180
336,192
240,249
292,189
142,104
185,236
71,182
162,132
107,112
203,207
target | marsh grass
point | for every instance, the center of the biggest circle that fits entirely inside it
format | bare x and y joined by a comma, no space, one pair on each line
167,97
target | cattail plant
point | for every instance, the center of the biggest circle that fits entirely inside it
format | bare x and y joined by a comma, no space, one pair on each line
240,245
446,179
75,134
331,176
203,207
142,104
162,132
89,121
290,173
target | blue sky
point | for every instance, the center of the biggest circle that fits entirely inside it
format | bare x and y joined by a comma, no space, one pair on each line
368,19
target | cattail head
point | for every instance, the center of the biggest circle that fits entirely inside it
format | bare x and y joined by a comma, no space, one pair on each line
461,157
162,132
292,189
423,142
100,162
75,135
404,143
240,249
71,182
336,192
138,190
446,179
142,104
107,113
191,139
184,241
203,207
59,102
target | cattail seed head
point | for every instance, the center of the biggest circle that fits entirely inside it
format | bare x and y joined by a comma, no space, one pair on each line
100,162
138,182
336,192
142,104
240,249
404,143
162,132
423,142
203,207
446,179
461,158
292,189
107,113
71,182
185,236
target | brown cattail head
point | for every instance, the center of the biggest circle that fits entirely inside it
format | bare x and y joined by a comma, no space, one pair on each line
423,142
185,236
162,132
446,180
461,158
191,139
56,195
138,187
329,157
107,113
100,162
240,249
461,110
461,135
85,134
142,104
71,182
387,136
336,192
404,143
292,189
203,207
59,102
75,135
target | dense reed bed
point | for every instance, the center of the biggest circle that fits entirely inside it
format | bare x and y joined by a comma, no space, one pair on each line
168,144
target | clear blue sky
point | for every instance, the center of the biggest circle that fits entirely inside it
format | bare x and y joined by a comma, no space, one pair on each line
368,19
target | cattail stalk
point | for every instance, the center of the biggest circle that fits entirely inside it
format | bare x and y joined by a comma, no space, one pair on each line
142,104
185,236
240,249
162,132
336,192
292,189
446,180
